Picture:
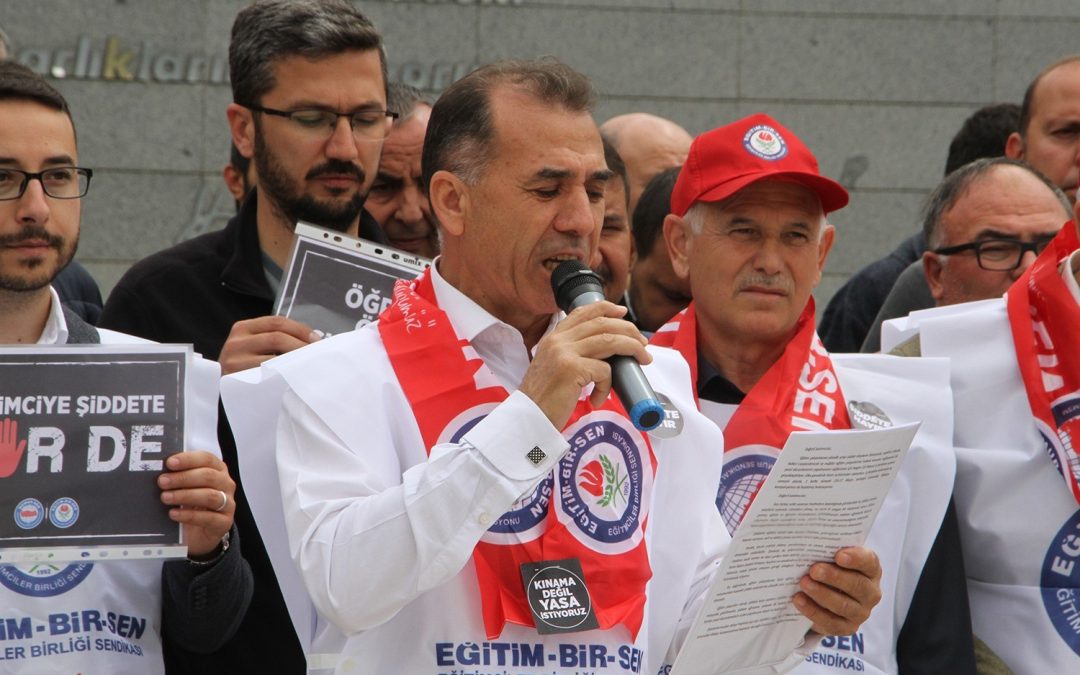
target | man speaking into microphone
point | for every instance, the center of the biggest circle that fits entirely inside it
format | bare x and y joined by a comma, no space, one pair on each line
460,491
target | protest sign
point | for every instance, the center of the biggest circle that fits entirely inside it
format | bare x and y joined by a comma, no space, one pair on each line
84,434
336,283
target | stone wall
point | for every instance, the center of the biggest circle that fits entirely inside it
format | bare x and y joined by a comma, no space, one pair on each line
875,88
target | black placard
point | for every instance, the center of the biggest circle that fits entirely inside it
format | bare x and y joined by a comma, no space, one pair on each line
84,434
336,283
558,596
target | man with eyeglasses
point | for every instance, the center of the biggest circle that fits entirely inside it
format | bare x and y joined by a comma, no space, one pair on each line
1015,378
309,106
197,603
985,223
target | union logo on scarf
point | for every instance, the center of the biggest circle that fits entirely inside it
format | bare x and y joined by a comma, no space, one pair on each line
1045,322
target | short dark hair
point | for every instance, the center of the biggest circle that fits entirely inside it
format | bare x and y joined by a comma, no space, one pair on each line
460,131
1029,93
616,164
271,30
403,98
653,206
19,83
949,191
983,135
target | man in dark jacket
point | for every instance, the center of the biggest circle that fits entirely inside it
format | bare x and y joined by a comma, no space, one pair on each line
309,92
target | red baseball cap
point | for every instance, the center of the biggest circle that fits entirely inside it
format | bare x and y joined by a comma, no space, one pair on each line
727,159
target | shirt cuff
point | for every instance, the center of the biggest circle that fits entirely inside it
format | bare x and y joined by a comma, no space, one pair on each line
518,439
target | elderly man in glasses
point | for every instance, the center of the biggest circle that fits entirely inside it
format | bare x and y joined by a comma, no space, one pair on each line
985,223
310,107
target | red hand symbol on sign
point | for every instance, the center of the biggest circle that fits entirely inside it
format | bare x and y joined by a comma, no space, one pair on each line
11,448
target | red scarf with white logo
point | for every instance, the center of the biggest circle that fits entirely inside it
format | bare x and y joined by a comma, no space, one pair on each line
1045,323
442,377
800,391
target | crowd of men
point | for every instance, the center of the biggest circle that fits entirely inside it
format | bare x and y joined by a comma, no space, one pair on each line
420,465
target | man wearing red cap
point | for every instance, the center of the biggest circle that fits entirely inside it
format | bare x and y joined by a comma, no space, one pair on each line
748,231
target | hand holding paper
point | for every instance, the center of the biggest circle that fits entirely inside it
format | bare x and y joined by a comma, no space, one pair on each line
256,340
194,485
817,504
837,597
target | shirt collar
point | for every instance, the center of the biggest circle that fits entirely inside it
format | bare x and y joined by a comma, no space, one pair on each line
56,330
712,386
468,318
1069,271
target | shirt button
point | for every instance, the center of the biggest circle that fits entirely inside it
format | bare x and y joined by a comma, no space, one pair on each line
484,519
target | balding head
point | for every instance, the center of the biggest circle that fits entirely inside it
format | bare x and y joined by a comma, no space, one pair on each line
647,144
1049,134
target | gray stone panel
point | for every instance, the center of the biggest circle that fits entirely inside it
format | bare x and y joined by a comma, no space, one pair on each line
930,8
220,15
1025,47
882,147
129,215
877,88
649,52
871,226
427,46
1062,9
882,59
177,26
152,127
694,116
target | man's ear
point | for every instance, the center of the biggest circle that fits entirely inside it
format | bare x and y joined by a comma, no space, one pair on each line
825,243
450,201
234,182
242,127
677,238
1014,146
933,267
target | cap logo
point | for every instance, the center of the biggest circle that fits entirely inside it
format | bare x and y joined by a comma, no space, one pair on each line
765,142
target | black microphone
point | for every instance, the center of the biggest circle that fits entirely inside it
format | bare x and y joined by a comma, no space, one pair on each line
575,285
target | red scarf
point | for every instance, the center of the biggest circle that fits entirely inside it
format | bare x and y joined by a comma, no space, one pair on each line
1045,323
449,389
800,391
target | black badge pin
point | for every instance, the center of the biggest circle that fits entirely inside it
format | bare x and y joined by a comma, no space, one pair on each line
558,597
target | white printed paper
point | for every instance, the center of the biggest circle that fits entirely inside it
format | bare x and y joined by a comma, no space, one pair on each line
822,495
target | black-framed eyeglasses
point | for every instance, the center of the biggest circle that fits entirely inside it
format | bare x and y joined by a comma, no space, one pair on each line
58,182
998,255
366,125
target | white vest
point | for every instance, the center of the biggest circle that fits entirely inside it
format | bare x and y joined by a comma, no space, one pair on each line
442,629
1019,524
102,617
906,390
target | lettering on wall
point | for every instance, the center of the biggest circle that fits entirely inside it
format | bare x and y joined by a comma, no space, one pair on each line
116,60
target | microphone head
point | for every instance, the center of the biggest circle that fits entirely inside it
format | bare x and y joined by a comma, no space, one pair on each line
572,278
